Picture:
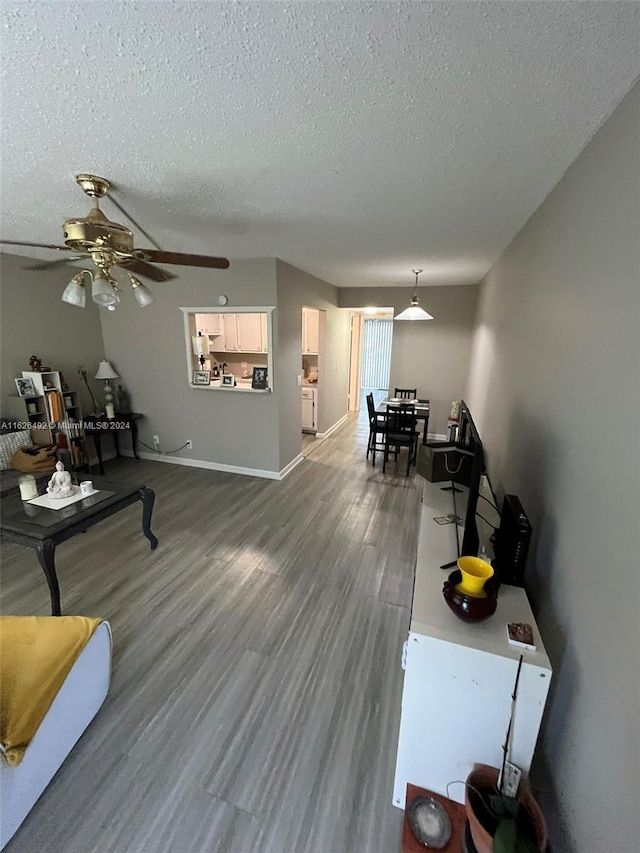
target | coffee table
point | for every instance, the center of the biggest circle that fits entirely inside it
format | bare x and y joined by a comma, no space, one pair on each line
42,529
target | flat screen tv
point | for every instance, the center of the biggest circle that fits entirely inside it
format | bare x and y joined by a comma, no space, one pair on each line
468,441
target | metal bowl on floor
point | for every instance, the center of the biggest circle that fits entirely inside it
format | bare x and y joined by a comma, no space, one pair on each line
429,822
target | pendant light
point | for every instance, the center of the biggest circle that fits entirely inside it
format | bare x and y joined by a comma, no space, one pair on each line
414,311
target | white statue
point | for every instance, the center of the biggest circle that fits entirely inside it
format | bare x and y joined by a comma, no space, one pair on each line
60,485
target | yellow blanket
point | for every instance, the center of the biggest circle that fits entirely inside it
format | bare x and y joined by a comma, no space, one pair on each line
36,655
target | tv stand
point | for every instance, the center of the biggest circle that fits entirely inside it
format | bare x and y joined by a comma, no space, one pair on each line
459,677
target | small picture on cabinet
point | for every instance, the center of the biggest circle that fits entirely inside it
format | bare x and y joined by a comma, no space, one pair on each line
259,378
201,377
227,379
25,387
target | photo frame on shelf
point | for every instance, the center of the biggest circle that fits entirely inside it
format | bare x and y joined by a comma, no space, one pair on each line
227,380
201,377
25,387
259,378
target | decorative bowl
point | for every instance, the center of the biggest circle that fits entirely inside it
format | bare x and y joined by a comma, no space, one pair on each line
475,573
470,608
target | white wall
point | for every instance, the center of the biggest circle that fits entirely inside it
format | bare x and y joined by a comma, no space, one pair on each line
34,321
147,348
554,390
431,355
295,289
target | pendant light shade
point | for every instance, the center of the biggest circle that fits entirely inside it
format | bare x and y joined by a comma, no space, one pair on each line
141,292
102,290
414,311
75,293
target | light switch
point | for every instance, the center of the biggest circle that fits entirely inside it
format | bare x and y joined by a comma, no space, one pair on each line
299,379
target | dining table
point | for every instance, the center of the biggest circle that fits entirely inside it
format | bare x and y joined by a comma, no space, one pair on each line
420,410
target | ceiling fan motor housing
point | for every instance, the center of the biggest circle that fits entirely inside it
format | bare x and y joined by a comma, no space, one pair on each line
95,232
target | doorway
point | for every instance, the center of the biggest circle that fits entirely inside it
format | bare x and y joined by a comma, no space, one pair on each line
370,363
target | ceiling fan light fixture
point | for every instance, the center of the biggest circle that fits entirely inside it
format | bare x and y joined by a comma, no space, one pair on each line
414,311
141,292
75,293
102,290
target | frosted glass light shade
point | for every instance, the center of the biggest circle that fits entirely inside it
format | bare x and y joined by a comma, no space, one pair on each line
141,292
105,371
413,312
200,344
75,293
102,290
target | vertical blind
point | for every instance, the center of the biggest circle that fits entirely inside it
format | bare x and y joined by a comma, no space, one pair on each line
376,353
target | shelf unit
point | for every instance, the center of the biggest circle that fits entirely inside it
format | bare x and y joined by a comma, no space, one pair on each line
54,415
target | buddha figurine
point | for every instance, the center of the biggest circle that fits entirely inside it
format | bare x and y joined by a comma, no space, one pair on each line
60,485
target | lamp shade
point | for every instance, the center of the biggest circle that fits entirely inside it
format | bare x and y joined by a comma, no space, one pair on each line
141,292
74,293
105,371
102,290
414,311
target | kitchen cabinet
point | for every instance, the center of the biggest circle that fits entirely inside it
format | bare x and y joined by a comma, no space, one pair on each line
250,333
230,327
309,409
209,324
459,676
310,331
263,332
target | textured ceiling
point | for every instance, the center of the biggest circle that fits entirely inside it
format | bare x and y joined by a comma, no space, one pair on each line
353,140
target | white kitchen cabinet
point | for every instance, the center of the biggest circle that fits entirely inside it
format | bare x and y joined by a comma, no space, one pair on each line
208,324
230,329
249,333
309,410
459,676
264,333
310,331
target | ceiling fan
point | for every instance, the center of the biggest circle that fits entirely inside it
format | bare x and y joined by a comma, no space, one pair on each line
111,245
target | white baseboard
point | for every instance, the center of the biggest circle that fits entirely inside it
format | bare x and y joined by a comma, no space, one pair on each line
217,466
333,428
436,436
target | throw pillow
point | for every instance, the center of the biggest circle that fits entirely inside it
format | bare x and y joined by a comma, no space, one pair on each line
9,443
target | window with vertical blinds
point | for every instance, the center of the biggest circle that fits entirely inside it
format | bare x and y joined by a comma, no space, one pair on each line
376,353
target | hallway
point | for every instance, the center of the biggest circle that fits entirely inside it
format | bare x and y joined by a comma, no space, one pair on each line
255,700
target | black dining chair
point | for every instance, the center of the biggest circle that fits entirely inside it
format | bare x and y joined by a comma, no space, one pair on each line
377,429
406,393
401,432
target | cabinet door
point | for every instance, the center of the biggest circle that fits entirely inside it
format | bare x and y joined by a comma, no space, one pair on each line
264,333
249,333
230,326
310,335
308,413
208,324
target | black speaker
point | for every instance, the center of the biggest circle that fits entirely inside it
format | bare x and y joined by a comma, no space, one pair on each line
512,543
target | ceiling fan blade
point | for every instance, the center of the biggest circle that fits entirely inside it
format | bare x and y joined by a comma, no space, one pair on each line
36,245
159,257
45,265
146,270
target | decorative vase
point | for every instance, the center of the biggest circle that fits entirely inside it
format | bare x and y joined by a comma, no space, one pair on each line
485,780
475,573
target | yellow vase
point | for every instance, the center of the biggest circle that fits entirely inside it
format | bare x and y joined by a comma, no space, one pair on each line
475,573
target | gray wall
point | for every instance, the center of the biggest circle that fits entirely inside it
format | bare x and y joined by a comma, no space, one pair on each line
147,348
295,290
554,388
34,321
432,355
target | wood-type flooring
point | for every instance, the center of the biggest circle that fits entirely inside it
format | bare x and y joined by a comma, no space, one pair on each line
256,690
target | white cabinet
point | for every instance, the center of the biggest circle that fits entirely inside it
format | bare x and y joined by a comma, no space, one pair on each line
230,329
209,324
309,410
459,676
264,333
250,333
310,331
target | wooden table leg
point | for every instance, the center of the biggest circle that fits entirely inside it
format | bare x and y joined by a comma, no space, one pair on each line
46,557
147,496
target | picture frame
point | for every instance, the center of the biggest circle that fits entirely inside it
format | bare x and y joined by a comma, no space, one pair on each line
26,387
201,377
227,380
259,378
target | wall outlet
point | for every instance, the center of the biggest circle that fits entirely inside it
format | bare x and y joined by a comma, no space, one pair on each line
156,439
511,780
189,444
243,364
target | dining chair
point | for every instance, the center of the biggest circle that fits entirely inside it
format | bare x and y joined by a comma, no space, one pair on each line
377,427
401,432
406,393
